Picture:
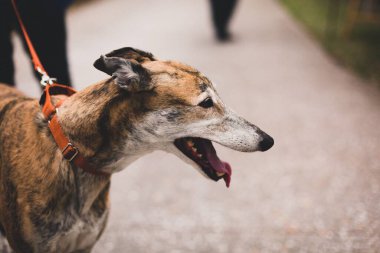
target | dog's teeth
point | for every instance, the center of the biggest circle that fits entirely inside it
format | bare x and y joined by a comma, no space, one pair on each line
220,174
195,149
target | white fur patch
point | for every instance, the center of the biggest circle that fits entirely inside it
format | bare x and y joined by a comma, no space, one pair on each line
81,236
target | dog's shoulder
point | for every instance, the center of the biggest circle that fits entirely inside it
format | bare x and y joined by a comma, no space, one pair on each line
8,91
9,97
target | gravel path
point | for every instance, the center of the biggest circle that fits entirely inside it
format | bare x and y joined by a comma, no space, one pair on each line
316,190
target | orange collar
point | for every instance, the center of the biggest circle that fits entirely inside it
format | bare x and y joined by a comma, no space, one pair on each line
69,151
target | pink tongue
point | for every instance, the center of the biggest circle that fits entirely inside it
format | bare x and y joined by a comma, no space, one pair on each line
217,164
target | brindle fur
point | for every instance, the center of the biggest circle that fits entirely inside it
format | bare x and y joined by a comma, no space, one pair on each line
48,205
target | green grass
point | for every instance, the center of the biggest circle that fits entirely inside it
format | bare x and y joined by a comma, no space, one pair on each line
359,51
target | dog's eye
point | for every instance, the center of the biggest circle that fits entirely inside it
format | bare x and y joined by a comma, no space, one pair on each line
207,103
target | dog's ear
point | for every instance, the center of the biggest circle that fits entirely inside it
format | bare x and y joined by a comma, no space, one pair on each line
128,75
132,54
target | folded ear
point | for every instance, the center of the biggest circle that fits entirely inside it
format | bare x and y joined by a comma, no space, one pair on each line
127,74
132,54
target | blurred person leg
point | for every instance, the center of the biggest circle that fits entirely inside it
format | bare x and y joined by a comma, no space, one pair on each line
45,23
6,48
222,11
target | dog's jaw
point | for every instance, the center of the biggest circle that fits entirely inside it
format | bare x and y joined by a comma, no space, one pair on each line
171,148
131,157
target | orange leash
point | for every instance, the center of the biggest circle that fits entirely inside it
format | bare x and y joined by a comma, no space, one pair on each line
49,110
36,61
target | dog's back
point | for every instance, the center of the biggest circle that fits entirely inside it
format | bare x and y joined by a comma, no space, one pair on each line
7,95
9,99
20,137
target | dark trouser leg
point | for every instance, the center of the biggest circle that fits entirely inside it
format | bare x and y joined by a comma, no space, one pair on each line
6,49
222,11
45,22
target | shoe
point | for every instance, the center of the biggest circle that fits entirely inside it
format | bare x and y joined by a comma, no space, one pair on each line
223,36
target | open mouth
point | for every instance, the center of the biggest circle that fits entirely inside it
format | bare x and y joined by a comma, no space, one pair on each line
203,153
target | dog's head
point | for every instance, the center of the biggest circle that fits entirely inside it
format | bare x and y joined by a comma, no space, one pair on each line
177,109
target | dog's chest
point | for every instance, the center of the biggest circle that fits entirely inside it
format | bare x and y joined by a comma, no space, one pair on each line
82,235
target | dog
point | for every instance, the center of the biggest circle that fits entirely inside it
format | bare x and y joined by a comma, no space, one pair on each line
47,204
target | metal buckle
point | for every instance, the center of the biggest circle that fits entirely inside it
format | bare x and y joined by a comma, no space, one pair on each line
45,80
76,152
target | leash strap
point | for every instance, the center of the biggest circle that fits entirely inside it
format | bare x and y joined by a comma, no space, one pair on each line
35,59
49,110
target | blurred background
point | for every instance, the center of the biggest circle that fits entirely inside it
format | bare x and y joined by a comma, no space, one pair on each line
305,71
348,29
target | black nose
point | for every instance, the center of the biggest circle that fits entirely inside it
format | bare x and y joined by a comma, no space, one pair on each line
266,143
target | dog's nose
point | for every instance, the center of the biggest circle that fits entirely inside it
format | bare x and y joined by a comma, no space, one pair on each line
266,143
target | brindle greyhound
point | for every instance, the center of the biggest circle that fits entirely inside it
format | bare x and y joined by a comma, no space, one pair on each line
49,205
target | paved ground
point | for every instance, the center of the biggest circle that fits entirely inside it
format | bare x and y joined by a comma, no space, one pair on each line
317,190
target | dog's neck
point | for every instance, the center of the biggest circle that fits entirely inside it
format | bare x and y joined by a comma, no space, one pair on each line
97,120
95,123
